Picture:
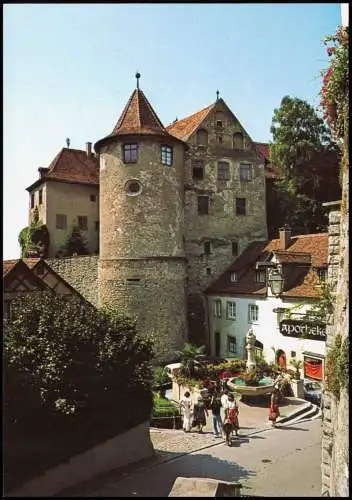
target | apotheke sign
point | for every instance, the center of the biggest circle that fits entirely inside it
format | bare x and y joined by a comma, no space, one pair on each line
303,329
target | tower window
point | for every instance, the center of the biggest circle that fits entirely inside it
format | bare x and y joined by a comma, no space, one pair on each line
40,196
234,248
198,169
32,200
61,221
207,248
202,137
133,187
240,206
223,171
82,222
245,172
130,153
166,155
203,205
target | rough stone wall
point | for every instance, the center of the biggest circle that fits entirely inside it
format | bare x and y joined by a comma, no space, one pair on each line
81,272
335,428
152,291
142,266
221,227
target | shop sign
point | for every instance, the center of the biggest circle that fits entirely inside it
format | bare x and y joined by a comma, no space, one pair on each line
303,329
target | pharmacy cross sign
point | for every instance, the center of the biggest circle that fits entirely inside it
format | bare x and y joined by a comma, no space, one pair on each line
303,329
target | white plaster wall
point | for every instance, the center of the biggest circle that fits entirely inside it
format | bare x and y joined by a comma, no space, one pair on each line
266,329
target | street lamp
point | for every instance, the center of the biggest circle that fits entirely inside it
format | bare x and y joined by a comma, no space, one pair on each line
276,282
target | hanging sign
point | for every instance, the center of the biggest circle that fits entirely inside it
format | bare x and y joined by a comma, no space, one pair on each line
303,329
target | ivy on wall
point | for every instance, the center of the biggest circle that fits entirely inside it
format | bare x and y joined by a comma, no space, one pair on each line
337,366
34,238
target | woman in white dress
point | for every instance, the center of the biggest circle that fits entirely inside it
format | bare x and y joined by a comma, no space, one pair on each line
187,411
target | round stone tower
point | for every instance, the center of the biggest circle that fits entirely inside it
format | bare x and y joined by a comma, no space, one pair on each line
142,264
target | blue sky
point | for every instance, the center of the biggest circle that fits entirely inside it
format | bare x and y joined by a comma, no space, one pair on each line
69,70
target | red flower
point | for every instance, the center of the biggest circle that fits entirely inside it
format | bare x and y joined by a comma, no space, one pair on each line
330,51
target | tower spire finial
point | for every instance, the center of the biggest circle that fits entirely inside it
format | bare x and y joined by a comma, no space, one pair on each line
217,95
138,75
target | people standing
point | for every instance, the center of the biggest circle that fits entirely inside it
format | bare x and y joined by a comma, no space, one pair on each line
274,411
200,412
186,410
215,406
224,400
231,419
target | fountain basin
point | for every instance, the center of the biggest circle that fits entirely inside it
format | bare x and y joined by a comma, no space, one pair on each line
238,385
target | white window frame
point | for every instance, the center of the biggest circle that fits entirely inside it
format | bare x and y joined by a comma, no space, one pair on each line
259,274
231,310
217,308
233,277
253,313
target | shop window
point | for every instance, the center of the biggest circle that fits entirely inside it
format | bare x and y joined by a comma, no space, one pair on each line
130,153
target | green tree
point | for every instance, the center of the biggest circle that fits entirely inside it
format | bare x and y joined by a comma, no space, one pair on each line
307,159
34,238
188,357
63,355
75,243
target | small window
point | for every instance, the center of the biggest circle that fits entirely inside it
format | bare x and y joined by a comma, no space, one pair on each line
219,138
223,171
32,200
208,271
207,248
322,274
166,155
231,344
238,141
61,221
40,196
130,153
245,172
231,310
93,198
293,354
240,206
198,170
234,248
133,281
82,222
133,187
96,225
252,313
233,277
219,123
202,137
203,205
260,276
217,308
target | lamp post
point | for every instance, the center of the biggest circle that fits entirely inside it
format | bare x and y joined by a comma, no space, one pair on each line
276,282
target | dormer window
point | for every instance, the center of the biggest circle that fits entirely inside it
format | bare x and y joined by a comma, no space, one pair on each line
166,155
233,277
260,276
130,153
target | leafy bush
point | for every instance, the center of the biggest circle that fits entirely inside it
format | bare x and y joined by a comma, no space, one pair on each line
34,238
188,356
165,414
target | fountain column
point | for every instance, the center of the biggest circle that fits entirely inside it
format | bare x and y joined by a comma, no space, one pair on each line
250,346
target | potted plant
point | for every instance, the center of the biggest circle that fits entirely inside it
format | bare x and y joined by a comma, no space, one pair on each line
297,364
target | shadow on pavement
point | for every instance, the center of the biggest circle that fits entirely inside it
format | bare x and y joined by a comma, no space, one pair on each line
158,480
291,428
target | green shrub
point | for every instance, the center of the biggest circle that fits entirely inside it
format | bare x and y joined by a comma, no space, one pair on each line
337,366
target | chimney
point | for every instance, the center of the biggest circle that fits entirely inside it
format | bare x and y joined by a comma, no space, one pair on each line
285,237
89,148
41,171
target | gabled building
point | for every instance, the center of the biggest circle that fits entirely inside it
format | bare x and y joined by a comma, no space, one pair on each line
67,193
241,299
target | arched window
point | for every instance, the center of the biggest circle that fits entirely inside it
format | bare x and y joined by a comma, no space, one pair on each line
238,141
202,137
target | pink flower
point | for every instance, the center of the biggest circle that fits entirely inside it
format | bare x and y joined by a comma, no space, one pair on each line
330,51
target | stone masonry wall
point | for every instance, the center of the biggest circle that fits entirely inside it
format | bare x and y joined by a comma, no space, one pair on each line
81,273
335,428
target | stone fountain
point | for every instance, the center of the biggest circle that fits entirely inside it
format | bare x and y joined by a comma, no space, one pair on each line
265,385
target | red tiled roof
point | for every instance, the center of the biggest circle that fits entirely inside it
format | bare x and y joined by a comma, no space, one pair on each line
305,253
71,165
182,129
